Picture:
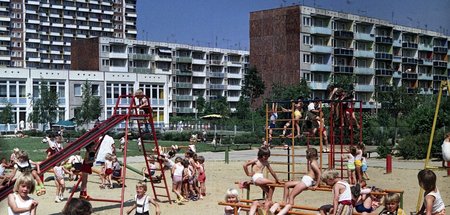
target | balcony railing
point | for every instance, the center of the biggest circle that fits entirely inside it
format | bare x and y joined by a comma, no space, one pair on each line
364,36
383,72
397,74
364,71
409,76
439,77
397,59
183,97
141,70
409,60
343,34
343,51
216,74
439,63
409,45
321,67
425,62
182,72
424,76
183,85
440,50
364,88
384,88
343,69
321,49
183,110
383,56
364,53
425,47
318,85
140,56
217,86
320,30
383,39
184,60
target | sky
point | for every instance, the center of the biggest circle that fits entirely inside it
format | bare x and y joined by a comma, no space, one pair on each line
225,23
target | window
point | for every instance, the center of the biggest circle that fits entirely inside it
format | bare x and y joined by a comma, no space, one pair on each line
306,58
307,39
306,21
77,89
307,76
95,90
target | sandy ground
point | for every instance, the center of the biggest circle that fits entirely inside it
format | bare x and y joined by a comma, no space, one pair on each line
221,176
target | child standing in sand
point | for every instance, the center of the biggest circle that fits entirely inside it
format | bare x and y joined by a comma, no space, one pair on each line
446,150
19,202
258,165
58,172
350,158
310,180
142,200
432,203
202,176
177,179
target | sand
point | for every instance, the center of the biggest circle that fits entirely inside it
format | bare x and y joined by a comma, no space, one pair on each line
221,176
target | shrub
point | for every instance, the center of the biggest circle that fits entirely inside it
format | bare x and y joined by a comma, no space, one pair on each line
247,138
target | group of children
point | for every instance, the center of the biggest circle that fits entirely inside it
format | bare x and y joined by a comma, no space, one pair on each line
346,197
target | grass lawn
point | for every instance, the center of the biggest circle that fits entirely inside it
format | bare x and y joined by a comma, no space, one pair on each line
36,149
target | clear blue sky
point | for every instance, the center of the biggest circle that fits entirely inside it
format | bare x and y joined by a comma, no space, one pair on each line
226,22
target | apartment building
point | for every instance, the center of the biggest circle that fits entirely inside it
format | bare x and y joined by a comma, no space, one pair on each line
20,87
299,42
192,71
38,33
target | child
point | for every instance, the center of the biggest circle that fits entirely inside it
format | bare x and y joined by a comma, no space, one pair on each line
116,170
19,202
392,205
139,142
342,196
86,169
13,157
232,196
365,176
59,171
368,202
107,171
312,179
52,145
258,165
77,207
202,176
3,178
446,150
358,161
350,158
432,203
25,165
141,201
177,179
76,160
122,143
145,174
273,120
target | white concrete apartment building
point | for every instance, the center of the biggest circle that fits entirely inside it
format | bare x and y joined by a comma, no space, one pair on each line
20,87
326,43
192,71
38,33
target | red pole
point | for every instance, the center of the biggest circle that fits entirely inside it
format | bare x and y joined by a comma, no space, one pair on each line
448,168
388,163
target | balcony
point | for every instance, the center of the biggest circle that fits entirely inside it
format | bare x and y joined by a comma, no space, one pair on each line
141,70
320,67
184,60
409,60
183,110
440,50
234,75
384,88
364,71
233,87
364,53
426,91
364,88
217,86
397,43
198,86
320,30
425,62
409,45
318,85
397,59
343,69
321,49
343,52
140,56
439,77
199,61
234,64
425,77
183,85
183,72
409,76
198,74
121,55
383,56
216,74
183,97
384,40
216,62
425,47
384,72
440,63
343,34
164,58
364,36
397,74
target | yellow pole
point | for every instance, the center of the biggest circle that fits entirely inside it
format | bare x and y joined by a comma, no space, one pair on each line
293,139
430,143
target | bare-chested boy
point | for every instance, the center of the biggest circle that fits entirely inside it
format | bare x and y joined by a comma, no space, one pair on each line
258,165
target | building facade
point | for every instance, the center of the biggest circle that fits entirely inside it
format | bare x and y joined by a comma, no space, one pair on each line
38,33
192,71
298,42
21,87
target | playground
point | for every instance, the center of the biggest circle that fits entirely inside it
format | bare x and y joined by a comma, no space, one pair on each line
221,176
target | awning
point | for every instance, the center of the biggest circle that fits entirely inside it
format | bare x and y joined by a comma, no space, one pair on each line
168,51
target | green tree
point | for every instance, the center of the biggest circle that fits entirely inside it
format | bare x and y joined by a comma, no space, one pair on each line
201,102
220,106
343,81
45,108
242,108
6,115
90,108
396,102
253,85
280,92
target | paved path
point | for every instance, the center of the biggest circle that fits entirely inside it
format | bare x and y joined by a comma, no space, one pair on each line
244,155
